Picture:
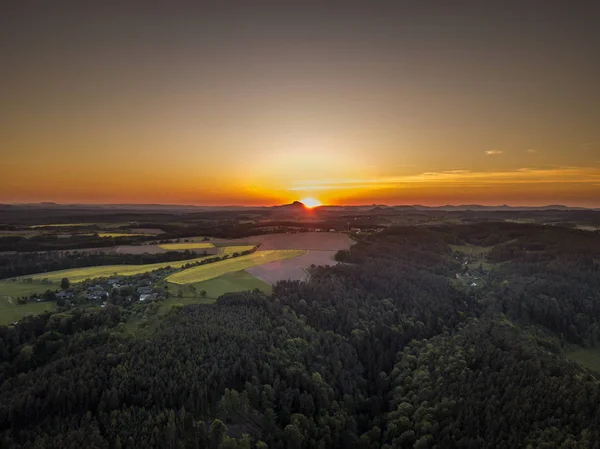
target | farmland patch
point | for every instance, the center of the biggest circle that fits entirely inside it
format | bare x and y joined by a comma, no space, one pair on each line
295,269
81,274
214,270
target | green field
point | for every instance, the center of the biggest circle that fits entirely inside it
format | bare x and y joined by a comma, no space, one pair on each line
17,289
117,234
237,281
10,311
471,249
81,274
214,270
63,225
588,357
184,246
229,250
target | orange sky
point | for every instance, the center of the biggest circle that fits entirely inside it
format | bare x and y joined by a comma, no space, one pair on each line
265,104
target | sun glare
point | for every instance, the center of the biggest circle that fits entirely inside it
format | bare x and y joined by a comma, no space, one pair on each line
310,202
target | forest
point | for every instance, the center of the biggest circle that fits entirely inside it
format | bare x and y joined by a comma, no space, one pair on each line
20,264
385,350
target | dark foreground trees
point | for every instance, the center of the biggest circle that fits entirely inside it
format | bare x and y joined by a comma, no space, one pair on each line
381,352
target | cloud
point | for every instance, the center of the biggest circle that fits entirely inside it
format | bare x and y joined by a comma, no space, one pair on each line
493,152
467,179
532,150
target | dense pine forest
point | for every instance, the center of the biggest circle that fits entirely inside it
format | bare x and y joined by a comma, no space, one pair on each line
391,348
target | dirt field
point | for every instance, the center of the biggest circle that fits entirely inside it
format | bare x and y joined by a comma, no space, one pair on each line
318,241
292,269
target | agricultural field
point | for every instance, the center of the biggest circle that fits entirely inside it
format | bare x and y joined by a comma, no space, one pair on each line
126,249
214,270
11,311
183,246
81,274
588,357
292,269
117,234
229,250
17,289
64,225
318,241
237,281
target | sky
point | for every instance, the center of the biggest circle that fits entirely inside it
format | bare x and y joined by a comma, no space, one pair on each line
260,103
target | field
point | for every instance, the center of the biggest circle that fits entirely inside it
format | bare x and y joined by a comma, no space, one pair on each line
10,311
184,246
214,270
231,282
17,289
472,249
292,269
588,357
229,250
64,225
117,234
319,241
81,274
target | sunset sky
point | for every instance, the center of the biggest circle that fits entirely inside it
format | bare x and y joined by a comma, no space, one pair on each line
259,103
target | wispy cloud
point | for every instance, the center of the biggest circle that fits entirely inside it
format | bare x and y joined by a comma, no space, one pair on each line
532,150
464,178
493,152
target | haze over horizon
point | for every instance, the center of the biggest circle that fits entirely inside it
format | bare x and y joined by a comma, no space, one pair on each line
261,103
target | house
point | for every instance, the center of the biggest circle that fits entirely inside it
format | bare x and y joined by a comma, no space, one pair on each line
473,284
64,295
144,290
148,297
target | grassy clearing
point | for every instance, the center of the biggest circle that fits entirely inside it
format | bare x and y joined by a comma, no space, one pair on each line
214,270
588,357
237,281
10,311
81,274
184,246
16,289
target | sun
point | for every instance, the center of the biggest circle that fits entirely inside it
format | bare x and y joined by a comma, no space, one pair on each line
310,202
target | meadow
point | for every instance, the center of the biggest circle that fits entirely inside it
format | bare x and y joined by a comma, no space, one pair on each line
11,311
588,357
214,270
237,281
17,289
81,274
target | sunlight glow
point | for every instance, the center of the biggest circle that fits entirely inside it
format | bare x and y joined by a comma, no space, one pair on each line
310,202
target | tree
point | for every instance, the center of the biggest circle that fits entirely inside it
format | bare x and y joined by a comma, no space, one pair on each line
216,433
203,293
65,284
